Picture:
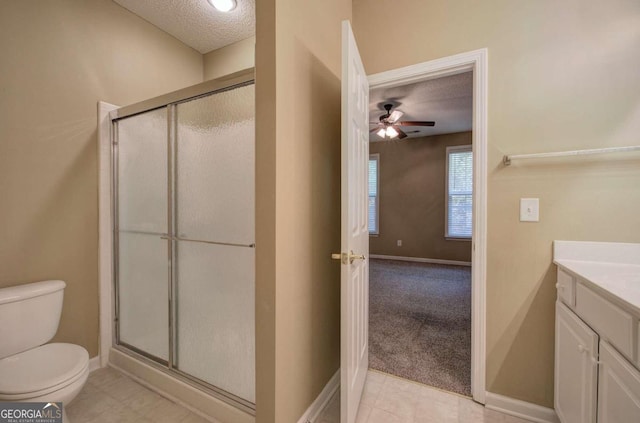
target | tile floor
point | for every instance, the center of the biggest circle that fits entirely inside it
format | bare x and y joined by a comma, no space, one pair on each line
388,399
111,397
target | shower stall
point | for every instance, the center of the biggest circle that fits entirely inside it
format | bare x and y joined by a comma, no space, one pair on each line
183,236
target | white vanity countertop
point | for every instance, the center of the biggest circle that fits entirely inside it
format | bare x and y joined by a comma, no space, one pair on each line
611,267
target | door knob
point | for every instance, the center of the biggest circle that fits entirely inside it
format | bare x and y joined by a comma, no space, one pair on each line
353,257
344,257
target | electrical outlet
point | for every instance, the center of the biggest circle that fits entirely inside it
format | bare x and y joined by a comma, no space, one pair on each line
399,243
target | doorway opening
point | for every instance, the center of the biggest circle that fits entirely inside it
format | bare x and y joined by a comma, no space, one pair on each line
428,242
420,224
354,245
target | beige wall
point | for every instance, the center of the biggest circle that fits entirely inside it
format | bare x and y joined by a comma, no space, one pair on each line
58,59
297,200
412,198
265,211
230,59
562,76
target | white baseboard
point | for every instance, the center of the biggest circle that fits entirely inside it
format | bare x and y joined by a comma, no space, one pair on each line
421,260
316,408
521,409
94,363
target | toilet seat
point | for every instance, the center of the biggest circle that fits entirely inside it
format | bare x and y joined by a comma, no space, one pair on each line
41,370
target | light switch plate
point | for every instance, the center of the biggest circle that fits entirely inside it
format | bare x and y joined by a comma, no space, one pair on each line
529,210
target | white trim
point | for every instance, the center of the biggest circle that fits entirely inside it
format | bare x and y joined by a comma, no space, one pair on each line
315,409
94,364
446,66
421,260
521,409
458,239
476,61
105,235
454,149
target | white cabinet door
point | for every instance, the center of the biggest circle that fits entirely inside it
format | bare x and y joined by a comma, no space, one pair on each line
618,388
575,368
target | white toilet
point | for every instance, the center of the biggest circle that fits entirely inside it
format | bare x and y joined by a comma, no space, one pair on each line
30,369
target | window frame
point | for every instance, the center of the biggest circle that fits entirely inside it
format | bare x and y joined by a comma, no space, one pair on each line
376,157
449,150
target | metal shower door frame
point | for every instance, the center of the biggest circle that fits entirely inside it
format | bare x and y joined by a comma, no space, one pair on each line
170,101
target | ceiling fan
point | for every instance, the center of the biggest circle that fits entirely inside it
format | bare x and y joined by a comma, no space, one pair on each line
389,125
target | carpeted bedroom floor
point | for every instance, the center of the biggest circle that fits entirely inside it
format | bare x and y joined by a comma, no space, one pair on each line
420,323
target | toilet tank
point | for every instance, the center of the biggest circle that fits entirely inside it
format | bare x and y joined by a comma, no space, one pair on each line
29,315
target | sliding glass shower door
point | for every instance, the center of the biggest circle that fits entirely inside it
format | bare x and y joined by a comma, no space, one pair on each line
185,238
141,219
214,249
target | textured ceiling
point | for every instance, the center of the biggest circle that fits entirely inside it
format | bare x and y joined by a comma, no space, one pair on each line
447,101
195,22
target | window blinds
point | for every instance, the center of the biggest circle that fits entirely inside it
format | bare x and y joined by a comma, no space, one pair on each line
460,193
373,194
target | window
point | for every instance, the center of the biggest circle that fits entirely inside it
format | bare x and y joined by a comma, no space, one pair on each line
459,213
374,168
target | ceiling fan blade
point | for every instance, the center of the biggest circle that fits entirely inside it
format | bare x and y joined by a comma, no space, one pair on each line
395,115
374,130
401,133
416,123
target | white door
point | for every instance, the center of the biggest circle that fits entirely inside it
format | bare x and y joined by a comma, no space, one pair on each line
575,368
355,233
618,388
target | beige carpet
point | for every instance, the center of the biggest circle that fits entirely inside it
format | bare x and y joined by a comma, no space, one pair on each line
420,323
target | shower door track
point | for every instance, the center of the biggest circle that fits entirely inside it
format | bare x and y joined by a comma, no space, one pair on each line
212,390
171,100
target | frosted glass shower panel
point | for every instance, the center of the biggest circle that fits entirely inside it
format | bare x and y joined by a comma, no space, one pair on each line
215,167
185,253
142,172
142,200
143,293
215,316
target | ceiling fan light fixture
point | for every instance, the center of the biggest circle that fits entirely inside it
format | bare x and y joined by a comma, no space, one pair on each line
391,132
391,126
223,5
395,115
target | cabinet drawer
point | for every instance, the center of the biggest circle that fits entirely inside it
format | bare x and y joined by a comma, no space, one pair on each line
566,288
607,319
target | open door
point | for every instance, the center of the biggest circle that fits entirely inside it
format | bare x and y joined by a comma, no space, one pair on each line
354,276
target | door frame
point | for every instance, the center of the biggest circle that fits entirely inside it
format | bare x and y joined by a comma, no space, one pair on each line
477,62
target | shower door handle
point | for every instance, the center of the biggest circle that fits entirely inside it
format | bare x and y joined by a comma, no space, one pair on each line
204,241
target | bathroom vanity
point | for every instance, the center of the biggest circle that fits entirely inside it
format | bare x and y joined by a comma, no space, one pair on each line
597,339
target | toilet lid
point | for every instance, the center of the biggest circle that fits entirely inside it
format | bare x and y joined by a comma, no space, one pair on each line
41,368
